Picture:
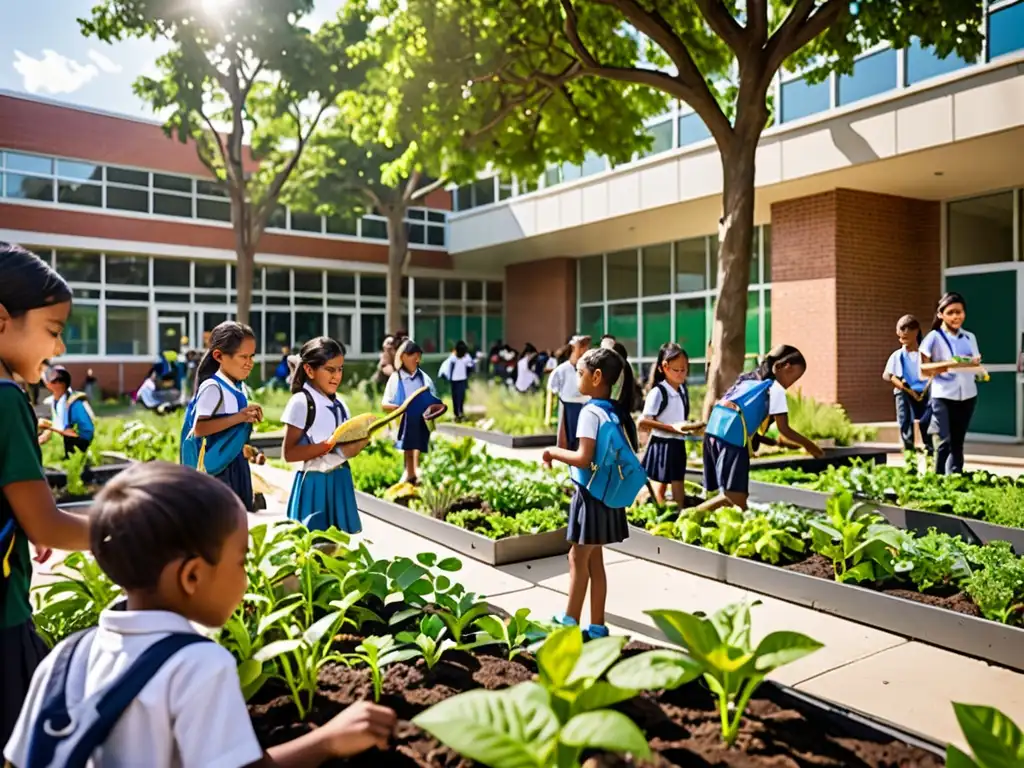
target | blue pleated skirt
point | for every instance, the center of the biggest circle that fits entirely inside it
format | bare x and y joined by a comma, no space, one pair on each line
665,460
320,500
238,477
594,522
571,419
413,434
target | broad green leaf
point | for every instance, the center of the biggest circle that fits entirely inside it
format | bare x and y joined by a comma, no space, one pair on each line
595,658
957,759
605,730
861,572
401,616
781,648
695,634
275,649
320,627
450,564
411,575
427,558
727,658
558,655
441,583
275,616
493,626
400,654
655,670
600,695
500,729
248,671
995,740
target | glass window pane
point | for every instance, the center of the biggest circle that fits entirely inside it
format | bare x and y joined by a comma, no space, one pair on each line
278,218
78,267
591,279
435,236
79,194
127,199
373,285
416,214
16,161
571,172
341,282
308,325
691,265
494,292
766,233
452,330
657,264
339,328
474,331
657,326
82,332
69,169
800,99
1006,30
86,293
172,205
213,210
692,129
713,261
504,190
28,187
279,329
592,321
210,275
464,197
128,270
622,324
127,330
126,176
495,326
278,279
214,189
474,290
427,331
171,272
981,230
377,229
691,326
484,191
453,291
661,133
305,222
923,63
428,288
417,233
552,176
371,332
593,163
309,281
342,225
622,274
872,75
172,183
438,217
753,334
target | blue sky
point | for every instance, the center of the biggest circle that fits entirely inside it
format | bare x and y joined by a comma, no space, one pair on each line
43,53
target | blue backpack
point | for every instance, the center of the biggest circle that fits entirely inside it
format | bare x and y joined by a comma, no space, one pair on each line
616,475
912,377
736,423
212,454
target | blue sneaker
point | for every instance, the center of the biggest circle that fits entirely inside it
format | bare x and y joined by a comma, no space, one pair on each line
595,631
565,620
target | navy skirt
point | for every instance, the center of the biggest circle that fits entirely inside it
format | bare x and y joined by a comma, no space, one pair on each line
665,460
320,500
571,420
592,522
726,467
238,477
413,434
21,650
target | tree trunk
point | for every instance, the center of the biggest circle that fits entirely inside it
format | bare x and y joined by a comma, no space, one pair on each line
244,268
398,251
735,235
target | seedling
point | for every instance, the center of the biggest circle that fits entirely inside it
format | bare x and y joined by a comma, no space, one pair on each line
514,633
378,653
860,547
430,641
460,614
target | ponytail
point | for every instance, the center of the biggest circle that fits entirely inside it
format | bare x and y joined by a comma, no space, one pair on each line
949,298
225,338
315,353
612,366
784,354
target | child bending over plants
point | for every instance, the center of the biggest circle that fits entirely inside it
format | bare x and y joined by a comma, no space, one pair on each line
597,519
175,540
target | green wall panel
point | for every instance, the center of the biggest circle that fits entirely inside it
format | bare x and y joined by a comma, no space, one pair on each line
657,326
996,410
991,312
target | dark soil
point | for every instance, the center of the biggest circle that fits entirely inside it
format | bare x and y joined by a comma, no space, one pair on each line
821,568
682,725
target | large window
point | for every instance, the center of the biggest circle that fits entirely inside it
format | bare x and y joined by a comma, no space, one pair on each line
981,230
873,74
127,330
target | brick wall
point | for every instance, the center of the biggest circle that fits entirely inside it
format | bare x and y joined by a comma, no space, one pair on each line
540,303
113,378
846,265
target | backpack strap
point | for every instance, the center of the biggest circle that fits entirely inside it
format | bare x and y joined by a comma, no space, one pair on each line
310,412
664,398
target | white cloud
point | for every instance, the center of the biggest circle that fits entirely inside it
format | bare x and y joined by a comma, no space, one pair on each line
104,63
53,73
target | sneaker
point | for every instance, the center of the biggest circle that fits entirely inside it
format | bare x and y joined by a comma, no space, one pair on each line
595,631
565,620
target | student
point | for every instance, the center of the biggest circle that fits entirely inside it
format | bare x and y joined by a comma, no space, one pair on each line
526,375
176,542
413,435
608,341
71,416
903,371
456,369
220,416
954,393
592,524
282,371
322,492
747,408
666,408
563,382
631,404
34,306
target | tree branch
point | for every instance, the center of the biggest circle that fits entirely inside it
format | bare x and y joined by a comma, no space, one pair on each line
724,25
423,191
220,147
803,24
410,185
757,22
572,32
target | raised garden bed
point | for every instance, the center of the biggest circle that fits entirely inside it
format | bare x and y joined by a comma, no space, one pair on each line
498,438
98,475
834,457
513,549
268,442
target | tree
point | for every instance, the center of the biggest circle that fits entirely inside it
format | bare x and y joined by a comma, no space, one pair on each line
247,84
539,64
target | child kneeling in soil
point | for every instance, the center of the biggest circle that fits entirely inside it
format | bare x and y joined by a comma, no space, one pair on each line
175,540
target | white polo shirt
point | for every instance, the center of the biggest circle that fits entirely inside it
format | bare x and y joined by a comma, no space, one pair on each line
391,388
590,421
191,713
456,368
329,415
674,411
209,395
525,377
564,383
952,385
894,366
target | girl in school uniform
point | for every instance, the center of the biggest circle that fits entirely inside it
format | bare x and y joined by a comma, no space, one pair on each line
35,303
220,415
526,374
322,493
592,524
666,407
413,434
456,369
954,393
73,419
903,371
563,383
750,405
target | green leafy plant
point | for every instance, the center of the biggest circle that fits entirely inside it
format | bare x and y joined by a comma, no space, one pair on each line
721,647
934,560
430,641
74,467
378,653
75,601
489,524
514,632
459,614
860,547
436,500
994,739
998,585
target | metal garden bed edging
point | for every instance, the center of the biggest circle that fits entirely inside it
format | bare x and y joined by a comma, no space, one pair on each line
268,442
98,475
513,549
981,638
499,438
974,531
834,457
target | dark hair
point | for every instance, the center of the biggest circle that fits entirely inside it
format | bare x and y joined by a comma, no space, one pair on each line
669,351
227,338
529,349
408,347
948,298
460,348
909,323
154,513
29,282
315,353
612,365
784,354
61,374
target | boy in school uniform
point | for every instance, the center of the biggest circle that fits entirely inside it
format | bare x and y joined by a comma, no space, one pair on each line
73,419
910,388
